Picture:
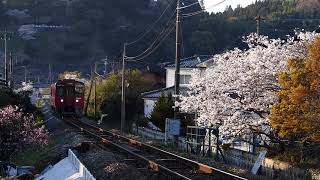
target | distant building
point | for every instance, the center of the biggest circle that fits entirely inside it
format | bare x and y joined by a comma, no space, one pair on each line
187,65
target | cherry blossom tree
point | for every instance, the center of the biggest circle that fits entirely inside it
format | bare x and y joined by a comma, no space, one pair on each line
18,130
238,88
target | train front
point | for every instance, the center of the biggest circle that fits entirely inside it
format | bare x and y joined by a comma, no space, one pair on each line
69,97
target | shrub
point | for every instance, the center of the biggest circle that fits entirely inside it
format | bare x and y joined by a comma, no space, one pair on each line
163,109
18,130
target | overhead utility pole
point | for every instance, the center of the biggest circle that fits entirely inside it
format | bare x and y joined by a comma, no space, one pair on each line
105,65
50,75
11,80
123,100
95,90
258,19
25,73
5,37
178,57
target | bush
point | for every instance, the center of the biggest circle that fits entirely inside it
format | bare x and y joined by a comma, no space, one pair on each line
142,122
109,98
163,109
18,130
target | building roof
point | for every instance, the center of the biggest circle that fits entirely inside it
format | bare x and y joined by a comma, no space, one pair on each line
166,91
190,62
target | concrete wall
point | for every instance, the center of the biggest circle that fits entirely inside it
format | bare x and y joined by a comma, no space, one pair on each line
148,107
170,75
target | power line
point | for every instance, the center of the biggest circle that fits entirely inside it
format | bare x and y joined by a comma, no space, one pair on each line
151,27
167,33
163,34
202,11
190,5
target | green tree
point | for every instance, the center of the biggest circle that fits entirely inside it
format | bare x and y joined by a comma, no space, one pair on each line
109,97
163,109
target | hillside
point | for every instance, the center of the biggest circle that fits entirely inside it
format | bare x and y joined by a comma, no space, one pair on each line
89,30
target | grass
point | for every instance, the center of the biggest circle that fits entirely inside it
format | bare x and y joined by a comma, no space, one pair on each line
38,157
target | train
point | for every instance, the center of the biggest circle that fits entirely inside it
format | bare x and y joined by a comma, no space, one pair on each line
67,97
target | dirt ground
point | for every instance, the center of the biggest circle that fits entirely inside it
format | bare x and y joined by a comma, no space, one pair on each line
101,162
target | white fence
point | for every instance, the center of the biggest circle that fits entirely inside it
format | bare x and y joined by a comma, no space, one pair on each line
148,133
86,175
240,158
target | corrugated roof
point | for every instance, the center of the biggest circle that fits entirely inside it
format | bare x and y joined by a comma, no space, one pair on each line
166,91
190,62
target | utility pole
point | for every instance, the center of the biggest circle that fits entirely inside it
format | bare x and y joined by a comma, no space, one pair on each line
95,90
105,65
89,95
5,37
25,74
11,80
123,101
178,57
50,75
258,19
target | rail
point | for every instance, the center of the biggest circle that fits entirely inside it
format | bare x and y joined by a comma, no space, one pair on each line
85,173
156,159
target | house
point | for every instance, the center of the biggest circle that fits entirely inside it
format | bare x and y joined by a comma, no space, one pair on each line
187,65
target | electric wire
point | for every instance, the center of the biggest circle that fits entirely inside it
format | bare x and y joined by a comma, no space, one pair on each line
152,26
202,11
162,34
189,5
137,58
159,37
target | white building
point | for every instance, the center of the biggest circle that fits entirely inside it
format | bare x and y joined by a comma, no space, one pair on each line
187,65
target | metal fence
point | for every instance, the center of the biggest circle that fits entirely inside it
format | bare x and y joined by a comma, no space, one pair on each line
85,173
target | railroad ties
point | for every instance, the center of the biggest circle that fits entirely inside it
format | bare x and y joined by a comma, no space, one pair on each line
170,165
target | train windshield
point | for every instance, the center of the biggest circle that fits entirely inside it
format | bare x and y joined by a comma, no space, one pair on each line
60,91
79,89
69,91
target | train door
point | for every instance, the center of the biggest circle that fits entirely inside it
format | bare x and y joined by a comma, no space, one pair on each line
69,96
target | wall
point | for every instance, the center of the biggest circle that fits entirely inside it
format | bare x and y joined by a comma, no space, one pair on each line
148,107
170,75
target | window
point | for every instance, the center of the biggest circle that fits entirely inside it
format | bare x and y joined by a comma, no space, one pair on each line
79,89
59,91
185,79
69,90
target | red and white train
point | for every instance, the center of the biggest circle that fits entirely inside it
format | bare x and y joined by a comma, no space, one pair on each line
67,97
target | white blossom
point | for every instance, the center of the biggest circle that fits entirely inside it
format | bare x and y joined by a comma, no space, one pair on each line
237,91
26,87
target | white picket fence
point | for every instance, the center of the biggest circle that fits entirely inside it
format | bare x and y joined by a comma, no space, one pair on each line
85,173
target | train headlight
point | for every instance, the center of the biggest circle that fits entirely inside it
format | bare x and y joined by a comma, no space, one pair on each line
61,100
77,100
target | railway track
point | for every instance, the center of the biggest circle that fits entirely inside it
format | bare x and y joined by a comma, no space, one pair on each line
170,165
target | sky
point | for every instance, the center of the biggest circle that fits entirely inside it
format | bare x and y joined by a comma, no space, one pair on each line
222,7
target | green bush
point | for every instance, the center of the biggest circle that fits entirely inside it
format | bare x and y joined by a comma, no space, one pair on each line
109,98
163,109
142,122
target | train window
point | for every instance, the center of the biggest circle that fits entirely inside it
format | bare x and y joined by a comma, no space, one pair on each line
59,91
69,91
79,89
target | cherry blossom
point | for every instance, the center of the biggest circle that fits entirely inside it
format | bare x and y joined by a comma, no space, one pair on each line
18,130
238,88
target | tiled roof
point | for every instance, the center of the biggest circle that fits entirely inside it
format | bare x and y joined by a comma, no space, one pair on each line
166,91
190,62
